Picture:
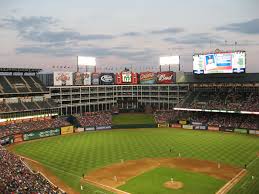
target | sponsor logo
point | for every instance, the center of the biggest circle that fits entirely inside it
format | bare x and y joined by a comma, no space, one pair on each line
126,77
147,76
164,77
106,78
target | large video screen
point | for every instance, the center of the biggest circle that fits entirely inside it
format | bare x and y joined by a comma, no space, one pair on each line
227,62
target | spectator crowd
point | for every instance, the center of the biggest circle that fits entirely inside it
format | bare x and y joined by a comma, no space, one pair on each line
222,100
22,127
90,119
209,118
16,177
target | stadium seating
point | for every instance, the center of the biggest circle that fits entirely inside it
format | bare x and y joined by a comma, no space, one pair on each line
7,88
20,84
91,119
222,100
16,177
163,116
16,128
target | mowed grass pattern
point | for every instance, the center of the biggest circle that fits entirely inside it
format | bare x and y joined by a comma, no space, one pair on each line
72,155
152,182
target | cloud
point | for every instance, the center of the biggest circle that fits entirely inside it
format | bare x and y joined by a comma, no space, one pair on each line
28,23
135,55
168,31
195,39
40,29
132,34
249,27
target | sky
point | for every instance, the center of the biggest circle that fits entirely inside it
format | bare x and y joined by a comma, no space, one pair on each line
50,34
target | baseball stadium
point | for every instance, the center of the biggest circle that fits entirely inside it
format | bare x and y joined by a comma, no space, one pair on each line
132,132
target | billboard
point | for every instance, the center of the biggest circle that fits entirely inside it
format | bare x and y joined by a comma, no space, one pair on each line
80,79
67,130
225,62
86,61
40,134
165,77
18,138
95,78
170,60
147,78
126,77
107,79
63,78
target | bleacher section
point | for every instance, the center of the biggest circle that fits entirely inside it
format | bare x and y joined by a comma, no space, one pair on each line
26,106
230,100
15,128
16,107
43,104
31,105
7,88
34,86
21,84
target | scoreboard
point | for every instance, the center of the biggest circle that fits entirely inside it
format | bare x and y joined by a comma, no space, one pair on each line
224,62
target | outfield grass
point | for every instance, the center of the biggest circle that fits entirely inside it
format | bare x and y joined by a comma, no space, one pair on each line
132,118
152,182
72,155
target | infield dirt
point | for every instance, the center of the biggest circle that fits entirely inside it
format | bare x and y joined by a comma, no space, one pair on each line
118,174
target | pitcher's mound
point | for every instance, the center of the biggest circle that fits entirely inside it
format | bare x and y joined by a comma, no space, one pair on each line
173,185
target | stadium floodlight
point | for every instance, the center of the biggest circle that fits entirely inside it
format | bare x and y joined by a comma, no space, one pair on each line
170,60
86,61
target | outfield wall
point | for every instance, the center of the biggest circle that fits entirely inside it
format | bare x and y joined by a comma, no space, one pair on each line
32,135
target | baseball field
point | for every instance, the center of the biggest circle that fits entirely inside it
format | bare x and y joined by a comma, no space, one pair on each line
146,161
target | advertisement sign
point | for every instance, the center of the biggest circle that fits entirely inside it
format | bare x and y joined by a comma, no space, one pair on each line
82,78
95,78
87,78
67,130
163,125
40,134
243,131
77,79
25,99
257,132
18,138
79,129
167,77
126,76
252,132
107,79
103,127
183,122
11,100
203,127
187,127
147,78
89,128
176,126
196,123
226,129
63,78
224,62
37,98
213,128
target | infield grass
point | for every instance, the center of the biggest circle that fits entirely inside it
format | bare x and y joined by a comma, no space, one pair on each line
70,156
152,182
